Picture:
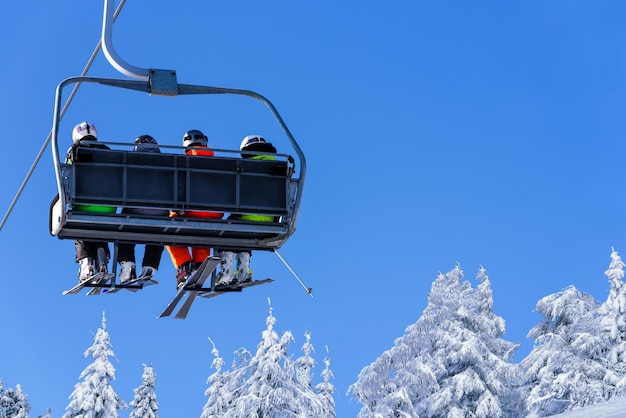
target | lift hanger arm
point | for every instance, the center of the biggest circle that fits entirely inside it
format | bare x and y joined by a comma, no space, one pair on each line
109,52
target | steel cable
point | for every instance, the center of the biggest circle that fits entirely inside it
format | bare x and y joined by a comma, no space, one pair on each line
63,110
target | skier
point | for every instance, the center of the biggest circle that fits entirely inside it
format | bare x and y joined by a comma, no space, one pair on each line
186,262
250,148
88,252
152,253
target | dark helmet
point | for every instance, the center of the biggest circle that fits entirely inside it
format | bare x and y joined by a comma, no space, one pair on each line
146,143
84,131
195,138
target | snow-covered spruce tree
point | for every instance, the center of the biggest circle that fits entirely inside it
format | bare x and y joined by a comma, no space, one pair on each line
3,401
48,414
567,368
266,385
613,319
305,363
325,390
493,328
222,388
144,403
304,375
13,402
236,378
2,414
271,388
452,362
94,396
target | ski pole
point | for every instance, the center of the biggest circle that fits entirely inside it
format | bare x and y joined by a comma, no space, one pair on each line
309,290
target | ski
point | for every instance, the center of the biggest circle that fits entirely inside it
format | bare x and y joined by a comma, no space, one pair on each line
97,280
193,284
237,287
90,282
97,285
184,309
133,285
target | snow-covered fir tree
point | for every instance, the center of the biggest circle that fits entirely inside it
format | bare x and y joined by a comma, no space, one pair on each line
271,388
13,402
269,384
613,317
48,414
452,362
559,373
493,327
221,390
579,353
3,401
144,403
323,392
305,363
94,396
326,389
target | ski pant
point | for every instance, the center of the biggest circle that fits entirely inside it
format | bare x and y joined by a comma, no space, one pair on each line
90,249
181,255
151,255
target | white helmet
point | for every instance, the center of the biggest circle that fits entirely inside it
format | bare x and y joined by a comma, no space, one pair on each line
195,137
84,130
251,139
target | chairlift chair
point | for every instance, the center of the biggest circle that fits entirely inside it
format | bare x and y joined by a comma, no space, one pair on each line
172,181
176,182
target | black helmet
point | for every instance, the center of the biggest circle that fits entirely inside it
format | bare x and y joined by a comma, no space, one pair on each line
145,143
195,138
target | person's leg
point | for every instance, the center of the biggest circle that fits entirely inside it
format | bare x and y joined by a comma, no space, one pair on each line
125,252
126,258
179,255
84,249
182,261
227,267
151,260
102,256
243,272
85,257
152,256
200,254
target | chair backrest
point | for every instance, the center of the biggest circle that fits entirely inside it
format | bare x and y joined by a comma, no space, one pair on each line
179,182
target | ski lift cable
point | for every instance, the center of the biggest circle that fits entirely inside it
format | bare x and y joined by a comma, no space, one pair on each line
65,106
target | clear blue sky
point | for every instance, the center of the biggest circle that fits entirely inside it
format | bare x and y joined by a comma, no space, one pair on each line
484,133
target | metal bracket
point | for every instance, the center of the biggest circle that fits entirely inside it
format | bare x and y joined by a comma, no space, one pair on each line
163,83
